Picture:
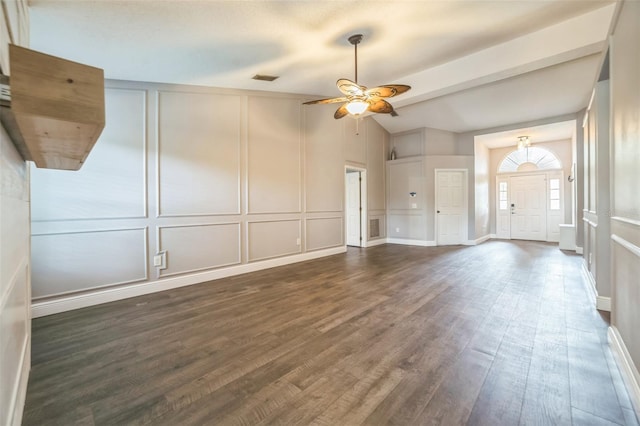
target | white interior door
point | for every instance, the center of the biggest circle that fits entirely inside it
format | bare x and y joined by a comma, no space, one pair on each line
353,209
528,208
451,207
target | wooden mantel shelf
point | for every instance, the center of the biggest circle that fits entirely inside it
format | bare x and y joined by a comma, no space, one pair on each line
56,112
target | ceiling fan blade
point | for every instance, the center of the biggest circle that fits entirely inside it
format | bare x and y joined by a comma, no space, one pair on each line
341,112
387,91
350,88
326,101
381,107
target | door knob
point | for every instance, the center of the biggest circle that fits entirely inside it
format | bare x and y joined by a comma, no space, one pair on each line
438,211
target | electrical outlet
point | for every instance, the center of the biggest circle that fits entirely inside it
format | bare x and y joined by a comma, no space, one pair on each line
397,229
157,260
414,205
298,241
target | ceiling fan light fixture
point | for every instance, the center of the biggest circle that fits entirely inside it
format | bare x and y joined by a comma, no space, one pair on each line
358,99
357,107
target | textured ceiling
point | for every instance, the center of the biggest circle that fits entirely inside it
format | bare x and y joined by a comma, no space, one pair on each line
224,43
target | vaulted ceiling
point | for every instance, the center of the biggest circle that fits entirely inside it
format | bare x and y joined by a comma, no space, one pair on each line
472,64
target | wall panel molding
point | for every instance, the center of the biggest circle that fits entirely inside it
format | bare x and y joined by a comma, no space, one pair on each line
630,373
184,255
77,301
273,238
325,232
112,184
56,265
199,152
274,155
634,249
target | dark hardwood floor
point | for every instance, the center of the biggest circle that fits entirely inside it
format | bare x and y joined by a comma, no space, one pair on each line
498,334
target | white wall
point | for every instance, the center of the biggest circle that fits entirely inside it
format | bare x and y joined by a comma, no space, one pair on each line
597,193
413,218
224,181
419,153
483,184
15,309
625,177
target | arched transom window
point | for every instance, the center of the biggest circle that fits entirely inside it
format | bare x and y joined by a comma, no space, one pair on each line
532,158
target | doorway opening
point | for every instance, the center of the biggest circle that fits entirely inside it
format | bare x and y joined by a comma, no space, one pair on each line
530,196
355,202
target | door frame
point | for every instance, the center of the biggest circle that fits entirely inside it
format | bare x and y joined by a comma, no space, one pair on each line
465,234
363,204
549,174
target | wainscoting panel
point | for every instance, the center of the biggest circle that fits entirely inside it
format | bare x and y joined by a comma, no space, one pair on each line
355,141
324,233
625,312
192,248
376,161
274,175
324,165
273,238
406,226
198,154
112,182
76,261
14,341
405,177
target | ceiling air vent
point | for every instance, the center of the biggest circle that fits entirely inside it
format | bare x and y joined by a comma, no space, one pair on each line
264,77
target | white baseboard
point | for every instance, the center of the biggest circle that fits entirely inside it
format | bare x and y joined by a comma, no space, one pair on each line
603,303
19,392
590,282
628,370
579,250
65,303
479,240
375,242
406,242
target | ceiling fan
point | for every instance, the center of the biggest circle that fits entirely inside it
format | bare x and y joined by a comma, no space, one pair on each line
358,99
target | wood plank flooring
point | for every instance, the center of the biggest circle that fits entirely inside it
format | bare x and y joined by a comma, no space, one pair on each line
498,334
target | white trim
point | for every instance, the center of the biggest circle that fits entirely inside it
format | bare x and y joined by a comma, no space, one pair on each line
634,249
376,242
579,250
19,391
603,303
591,284
71,302
626,220
406,242
479,240
628,370
364,213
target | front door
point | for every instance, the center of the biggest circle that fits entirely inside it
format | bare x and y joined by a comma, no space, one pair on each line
528,208
451,214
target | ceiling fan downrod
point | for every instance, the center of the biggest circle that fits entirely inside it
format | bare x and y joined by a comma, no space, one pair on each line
355,40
